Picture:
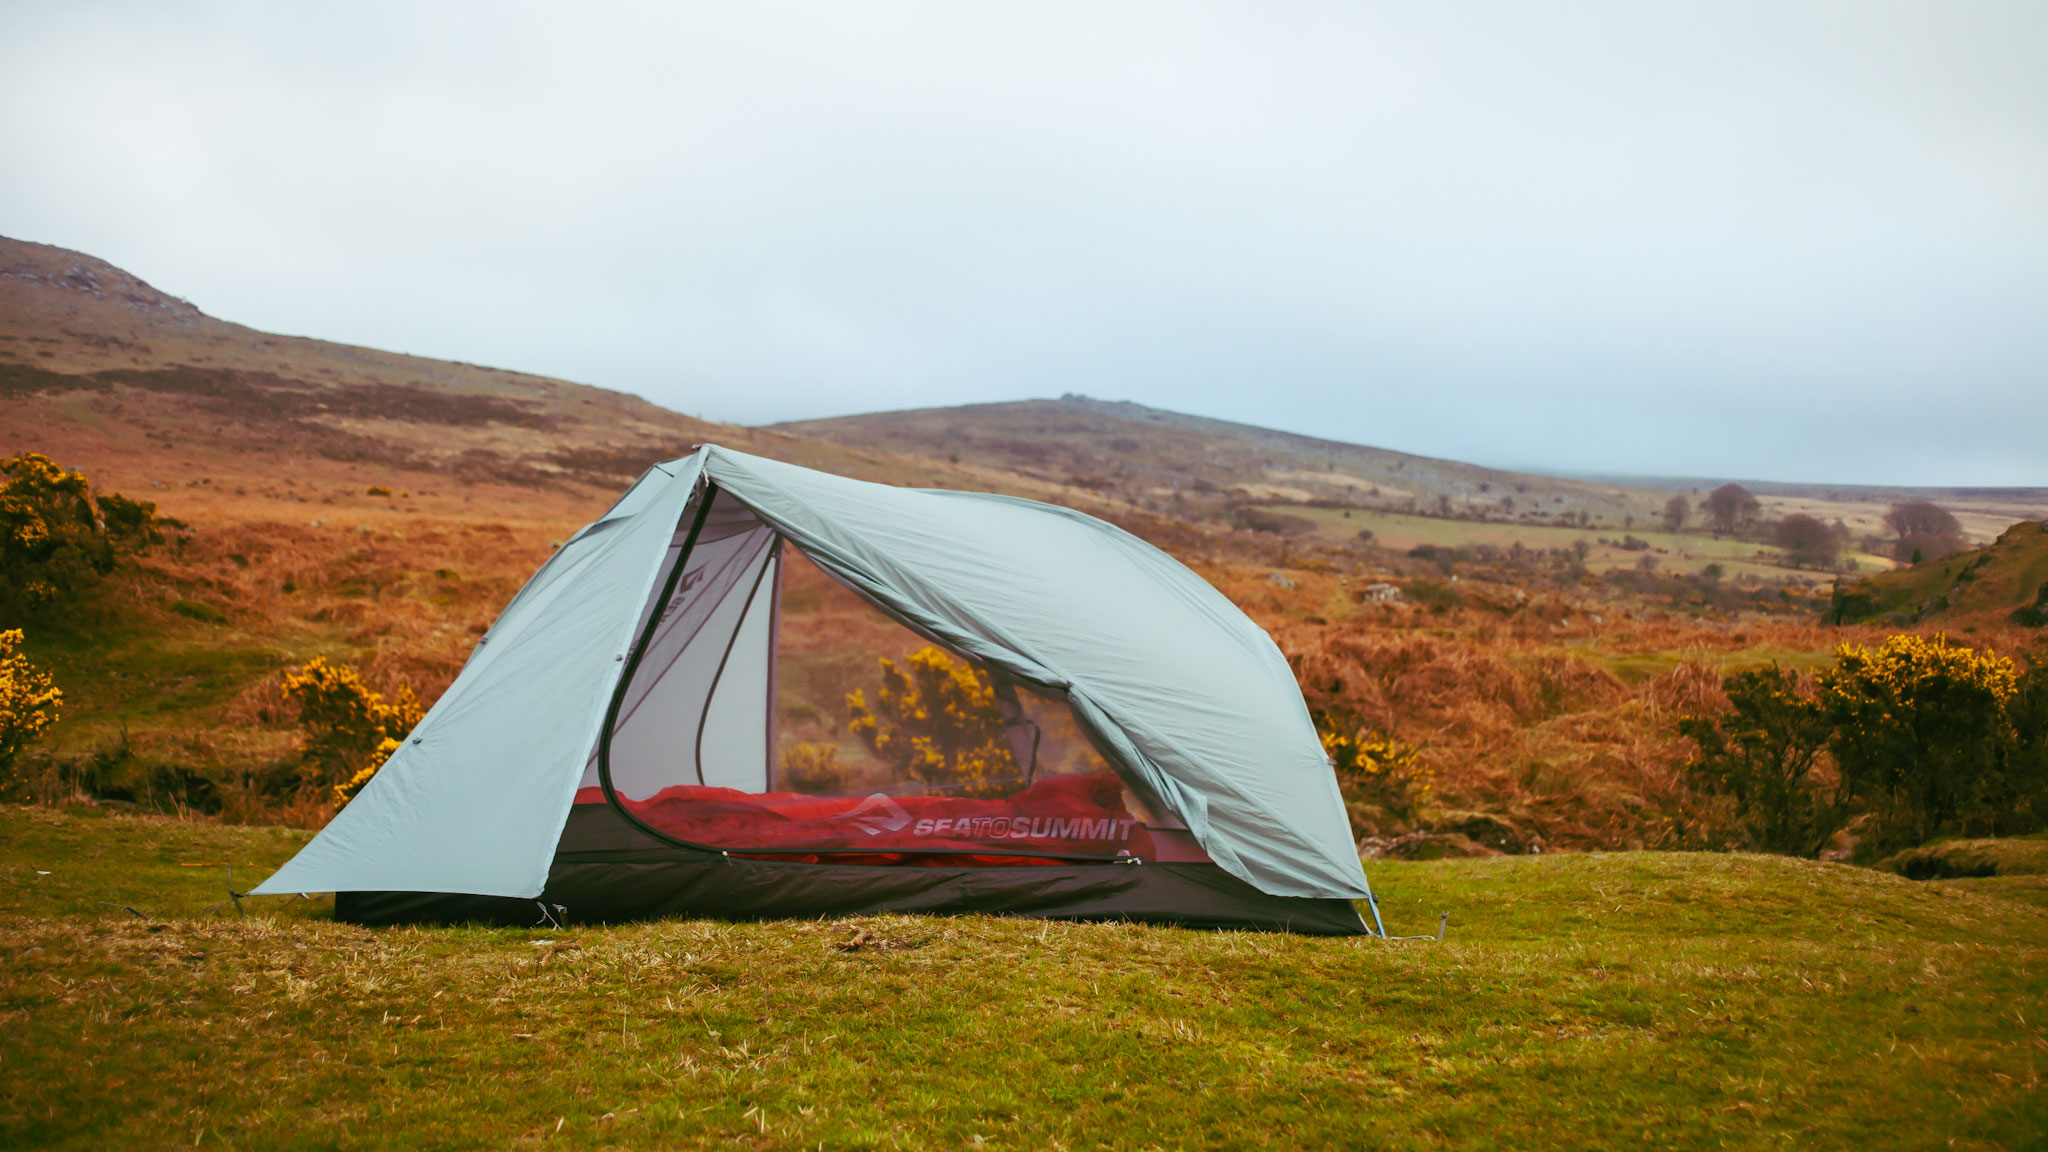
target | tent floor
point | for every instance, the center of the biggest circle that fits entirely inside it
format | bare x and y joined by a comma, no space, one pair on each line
607,872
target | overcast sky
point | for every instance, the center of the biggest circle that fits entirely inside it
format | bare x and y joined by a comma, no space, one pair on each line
1773,240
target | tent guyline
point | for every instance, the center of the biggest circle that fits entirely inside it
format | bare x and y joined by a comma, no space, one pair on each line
647,727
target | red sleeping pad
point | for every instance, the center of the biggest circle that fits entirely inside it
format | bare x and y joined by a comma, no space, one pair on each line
1061,816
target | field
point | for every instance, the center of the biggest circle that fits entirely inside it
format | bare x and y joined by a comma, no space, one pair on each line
1583,1001
1672,552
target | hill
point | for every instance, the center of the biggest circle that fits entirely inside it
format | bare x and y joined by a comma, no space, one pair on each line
1576,1001
1154,457
1178,464
2005,581
100,347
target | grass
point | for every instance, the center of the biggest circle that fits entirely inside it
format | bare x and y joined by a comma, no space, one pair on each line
1673,552
1978,584
1637,667
1577,1001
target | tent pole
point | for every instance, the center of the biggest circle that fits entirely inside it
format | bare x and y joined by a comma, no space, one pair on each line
668,589
1375,904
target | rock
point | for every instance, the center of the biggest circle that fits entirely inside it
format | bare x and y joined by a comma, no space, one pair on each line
1280,580
1496,832
1423,846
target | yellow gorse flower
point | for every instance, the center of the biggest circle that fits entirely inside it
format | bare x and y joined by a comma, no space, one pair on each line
28,700
934,719
350,729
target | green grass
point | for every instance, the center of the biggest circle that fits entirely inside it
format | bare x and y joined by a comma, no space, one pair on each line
2006,574
1597,1001
117,669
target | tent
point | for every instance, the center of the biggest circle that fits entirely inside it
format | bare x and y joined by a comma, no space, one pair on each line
611,750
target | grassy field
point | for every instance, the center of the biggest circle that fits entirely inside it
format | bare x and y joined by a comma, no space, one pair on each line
1624,1000
1674,552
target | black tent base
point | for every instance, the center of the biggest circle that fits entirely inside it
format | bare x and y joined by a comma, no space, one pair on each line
610,887
606,871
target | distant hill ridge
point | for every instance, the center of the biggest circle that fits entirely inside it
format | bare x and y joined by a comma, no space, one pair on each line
71,322
1150,454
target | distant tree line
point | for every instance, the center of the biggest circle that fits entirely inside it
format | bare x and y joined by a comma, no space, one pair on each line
1920,530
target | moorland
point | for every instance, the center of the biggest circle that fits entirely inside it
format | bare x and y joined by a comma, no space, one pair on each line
1504,664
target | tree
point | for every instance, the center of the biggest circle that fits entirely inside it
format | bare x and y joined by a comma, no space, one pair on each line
28,702
935,720
1764,756
1730,509
1919,732
1924,530
1677,511
350,729
1808,543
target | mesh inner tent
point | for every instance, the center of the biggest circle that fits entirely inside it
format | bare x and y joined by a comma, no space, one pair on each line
778,713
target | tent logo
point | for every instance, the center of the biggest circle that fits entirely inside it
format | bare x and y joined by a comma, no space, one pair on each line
877,814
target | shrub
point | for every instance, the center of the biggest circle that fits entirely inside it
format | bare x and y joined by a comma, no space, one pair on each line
1384,790
1807,542
1919,733
1762,755
1256,519
2033,615
55,536
2025,762
350,729
813,769
28,702
935,720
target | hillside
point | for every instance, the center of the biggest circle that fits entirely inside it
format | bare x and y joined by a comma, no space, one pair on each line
98,346
1155,457
1178,464
2005,581
1576,1001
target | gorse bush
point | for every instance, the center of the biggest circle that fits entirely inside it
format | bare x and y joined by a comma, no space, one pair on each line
350,729
1384,788
28,702
56,536
1919,735
935,720
1766,755
813,769
1911,739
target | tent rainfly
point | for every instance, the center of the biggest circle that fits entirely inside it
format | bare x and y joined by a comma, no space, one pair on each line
610,750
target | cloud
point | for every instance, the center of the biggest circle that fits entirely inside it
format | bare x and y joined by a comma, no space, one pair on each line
1751,239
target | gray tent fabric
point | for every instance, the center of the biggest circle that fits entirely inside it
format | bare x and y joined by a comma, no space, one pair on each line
1177,686
1159,666
475,799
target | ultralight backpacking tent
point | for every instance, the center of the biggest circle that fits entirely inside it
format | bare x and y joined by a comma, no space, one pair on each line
610,750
